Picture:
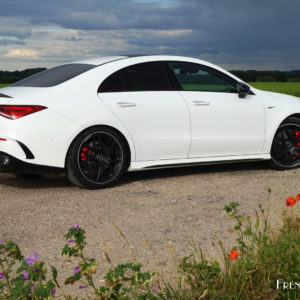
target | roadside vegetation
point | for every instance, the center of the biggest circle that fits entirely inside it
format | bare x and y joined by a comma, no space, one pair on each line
289,88
263,264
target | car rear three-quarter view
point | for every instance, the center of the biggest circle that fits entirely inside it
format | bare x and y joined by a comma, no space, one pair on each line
97,118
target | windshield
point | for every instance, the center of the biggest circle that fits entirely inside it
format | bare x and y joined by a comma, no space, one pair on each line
54,76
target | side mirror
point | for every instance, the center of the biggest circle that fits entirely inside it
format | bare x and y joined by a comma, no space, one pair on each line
243,89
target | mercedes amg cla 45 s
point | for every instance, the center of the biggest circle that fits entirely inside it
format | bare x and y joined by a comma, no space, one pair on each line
94,119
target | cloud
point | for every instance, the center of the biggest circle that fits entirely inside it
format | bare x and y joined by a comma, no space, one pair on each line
5,42
232,33
17,53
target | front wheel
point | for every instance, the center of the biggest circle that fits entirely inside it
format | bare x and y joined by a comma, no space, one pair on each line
285,151
97,158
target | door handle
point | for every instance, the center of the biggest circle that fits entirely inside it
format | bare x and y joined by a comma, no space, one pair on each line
201,103
126,104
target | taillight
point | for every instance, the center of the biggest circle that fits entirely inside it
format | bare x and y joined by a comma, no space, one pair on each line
18,111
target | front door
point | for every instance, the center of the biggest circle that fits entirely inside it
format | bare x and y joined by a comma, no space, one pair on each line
222,124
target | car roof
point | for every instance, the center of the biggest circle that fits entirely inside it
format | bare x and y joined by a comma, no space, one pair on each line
97,61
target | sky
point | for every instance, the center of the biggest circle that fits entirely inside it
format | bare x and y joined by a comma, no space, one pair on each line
235,34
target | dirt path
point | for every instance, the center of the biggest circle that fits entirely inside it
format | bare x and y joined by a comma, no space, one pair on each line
151,208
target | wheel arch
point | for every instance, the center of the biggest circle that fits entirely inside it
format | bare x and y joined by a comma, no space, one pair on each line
297,115
104,126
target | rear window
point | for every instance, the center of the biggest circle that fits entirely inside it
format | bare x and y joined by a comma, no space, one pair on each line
55,76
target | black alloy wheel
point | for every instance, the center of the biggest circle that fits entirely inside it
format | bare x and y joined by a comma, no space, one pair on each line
285,151
97,158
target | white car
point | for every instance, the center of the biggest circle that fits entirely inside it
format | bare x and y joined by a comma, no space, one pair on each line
94,119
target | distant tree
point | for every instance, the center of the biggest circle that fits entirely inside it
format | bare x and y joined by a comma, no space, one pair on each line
12,77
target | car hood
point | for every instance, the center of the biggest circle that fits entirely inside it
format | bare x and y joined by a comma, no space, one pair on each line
277,97
8,93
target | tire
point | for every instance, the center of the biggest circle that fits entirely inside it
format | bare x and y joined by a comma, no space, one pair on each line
97,158
285,151
29,176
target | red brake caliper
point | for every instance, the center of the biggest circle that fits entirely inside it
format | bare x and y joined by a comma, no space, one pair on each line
298,136
83,154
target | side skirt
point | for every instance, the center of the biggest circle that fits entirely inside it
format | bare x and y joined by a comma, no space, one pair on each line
172,163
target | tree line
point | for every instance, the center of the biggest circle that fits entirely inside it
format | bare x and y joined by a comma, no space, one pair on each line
248,76
267,76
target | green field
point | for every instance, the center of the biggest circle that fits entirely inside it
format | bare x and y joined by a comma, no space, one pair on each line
290,88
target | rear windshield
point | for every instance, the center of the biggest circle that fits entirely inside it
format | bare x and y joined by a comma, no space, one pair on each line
54,76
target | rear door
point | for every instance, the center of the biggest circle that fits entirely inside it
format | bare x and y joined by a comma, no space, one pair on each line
156,117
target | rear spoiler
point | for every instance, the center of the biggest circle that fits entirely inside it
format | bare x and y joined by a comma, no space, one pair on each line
4,96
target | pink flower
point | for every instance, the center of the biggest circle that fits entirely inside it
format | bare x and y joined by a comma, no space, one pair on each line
2,275
25,275
53,291
82,287
76,270
76,226
30,260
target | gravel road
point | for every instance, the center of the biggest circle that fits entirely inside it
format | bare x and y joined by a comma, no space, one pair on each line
154,209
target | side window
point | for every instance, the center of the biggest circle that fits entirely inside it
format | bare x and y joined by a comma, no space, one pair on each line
111,84
140,77
145,77
194,77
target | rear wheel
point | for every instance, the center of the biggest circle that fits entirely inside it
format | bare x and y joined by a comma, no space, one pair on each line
285,151
97,158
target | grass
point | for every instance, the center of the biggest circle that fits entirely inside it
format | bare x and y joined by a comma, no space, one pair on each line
2,85
290,88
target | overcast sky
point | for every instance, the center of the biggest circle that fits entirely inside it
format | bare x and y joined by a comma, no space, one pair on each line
236,34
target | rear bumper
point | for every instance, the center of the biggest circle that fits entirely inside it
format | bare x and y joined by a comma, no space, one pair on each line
11,164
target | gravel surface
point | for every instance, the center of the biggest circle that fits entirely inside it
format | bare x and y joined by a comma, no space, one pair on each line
156,210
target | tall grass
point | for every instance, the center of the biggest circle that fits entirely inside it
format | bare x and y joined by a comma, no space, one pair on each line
265,264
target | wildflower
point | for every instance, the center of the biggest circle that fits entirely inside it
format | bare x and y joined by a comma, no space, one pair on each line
298,197
35,270
290,201
231,200
155,288
1,240
76,270
32,287
25,275
53,291
233,254
70,241
30,260
2,275
76,226
82,287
